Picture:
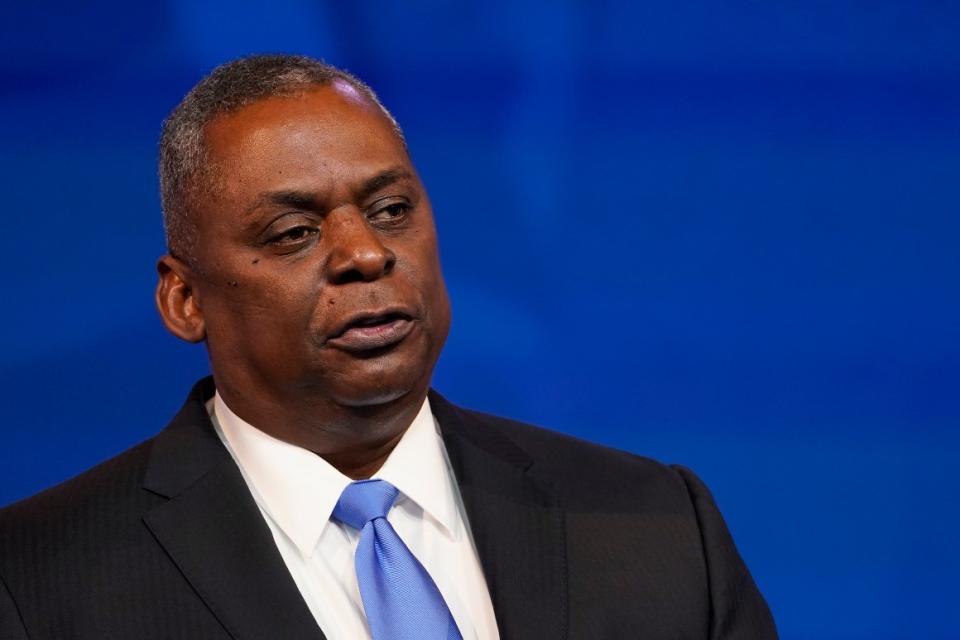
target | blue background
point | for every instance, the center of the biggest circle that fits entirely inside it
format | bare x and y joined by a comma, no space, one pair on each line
717,233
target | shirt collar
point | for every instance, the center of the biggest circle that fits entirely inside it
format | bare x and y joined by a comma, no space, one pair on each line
418,466
298,489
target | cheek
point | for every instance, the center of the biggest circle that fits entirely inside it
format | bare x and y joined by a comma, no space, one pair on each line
258,306
430,277
433,291
443,312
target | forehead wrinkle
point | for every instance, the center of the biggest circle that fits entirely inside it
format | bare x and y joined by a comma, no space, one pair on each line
312,153
315,200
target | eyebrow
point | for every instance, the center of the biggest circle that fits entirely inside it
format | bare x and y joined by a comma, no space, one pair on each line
287,198
312,200
381,180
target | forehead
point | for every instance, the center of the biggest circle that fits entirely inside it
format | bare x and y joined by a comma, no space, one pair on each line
326,134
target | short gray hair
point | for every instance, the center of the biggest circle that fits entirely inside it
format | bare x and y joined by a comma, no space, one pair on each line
184,165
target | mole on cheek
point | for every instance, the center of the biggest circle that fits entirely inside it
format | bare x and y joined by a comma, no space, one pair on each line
331,301
232,283
255,261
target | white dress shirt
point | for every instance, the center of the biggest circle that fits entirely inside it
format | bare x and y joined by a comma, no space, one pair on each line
296,491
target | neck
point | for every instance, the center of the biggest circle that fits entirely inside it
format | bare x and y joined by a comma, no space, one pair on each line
360,464
354,440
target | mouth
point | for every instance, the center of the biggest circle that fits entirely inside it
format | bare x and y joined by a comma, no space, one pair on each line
367,331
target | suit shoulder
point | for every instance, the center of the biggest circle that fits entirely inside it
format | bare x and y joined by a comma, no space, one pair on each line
103,488
589,472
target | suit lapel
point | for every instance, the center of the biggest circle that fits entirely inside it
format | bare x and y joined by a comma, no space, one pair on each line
516,524
214,532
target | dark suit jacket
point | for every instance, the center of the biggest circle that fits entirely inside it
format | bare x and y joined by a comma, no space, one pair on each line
576,541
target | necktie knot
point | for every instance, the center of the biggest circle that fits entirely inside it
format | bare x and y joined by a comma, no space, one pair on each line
363,501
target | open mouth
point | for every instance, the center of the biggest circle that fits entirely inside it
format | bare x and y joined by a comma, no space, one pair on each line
369,331
376,321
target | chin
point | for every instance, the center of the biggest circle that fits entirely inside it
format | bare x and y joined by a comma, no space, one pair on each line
383,378
374,383
371,398
370,391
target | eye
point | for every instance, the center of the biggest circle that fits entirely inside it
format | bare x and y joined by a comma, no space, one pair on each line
293,236
391,213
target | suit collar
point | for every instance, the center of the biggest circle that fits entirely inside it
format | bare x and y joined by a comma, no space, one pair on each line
187,449
516,523
215,534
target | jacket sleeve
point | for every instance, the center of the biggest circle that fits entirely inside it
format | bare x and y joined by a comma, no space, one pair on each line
738,610
11,626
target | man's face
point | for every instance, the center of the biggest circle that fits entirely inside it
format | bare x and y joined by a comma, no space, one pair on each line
316,262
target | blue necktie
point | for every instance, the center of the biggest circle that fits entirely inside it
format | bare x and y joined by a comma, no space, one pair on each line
399,597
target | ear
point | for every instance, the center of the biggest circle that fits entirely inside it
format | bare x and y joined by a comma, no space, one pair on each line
177,302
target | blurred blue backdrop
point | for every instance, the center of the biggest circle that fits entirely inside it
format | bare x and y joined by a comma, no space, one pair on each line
733,232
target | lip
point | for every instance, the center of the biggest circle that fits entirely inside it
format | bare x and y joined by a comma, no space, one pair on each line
392,326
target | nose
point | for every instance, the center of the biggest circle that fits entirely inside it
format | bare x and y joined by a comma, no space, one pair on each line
357,253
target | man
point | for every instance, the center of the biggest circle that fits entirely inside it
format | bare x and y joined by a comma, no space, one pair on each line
302,251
